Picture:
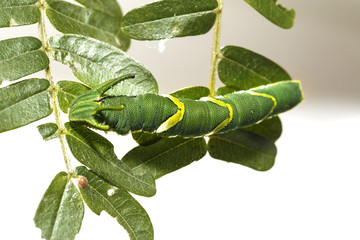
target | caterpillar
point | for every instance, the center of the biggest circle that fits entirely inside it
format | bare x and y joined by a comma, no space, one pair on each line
170,116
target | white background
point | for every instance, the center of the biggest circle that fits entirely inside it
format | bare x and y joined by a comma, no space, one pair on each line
311,193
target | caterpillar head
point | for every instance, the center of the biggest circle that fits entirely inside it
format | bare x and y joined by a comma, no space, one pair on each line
84,107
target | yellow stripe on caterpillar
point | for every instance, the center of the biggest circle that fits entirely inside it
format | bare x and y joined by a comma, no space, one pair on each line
222,104
174,119
266,96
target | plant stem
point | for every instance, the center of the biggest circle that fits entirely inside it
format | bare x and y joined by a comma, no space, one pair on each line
215,49
53,89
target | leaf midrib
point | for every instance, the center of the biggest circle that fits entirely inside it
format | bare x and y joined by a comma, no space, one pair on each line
16,103
19,6
96,63
19,55
248,69
111,205
162,19
164,152
85,24
58,210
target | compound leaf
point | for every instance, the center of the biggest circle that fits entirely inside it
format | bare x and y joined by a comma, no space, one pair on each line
18,13
61,210
165,156
70,18
244,148
110,7
100,196
243,69
274,12
97,153
68,91
48,131
169,19
20,57
94,62
24,102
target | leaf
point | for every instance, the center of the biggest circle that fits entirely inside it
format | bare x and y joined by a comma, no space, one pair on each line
169,19
221,91
194,93
165,156
61,210
68,91
20,57
24,102
244,69
110,7
244,148
100,196
94,62
274,12
270,129
97,153
18,13
70,18
48,131
145,138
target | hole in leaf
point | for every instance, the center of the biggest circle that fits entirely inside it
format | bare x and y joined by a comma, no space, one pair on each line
77,65
110,192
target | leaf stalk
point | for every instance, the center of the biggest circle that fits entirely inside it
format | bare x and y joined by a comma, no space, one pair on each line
53,89
215,49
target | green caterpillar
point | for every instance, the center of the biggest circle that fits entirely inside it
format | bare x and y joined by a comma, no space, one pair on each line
170,116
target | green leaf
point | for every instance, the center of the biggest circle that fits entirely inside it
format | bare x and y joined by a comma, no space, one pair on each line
194,93
48,131
20,57
244,148
18,13
94,62
165,156
244,69
169,19
100,196
145,138
221,91
61,210
70,18
68,91
110,7
274,12
24,102
97,153
270,129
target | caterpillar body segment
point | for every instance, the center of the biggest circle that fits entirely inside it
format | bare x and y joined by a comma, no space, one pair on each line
170,116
